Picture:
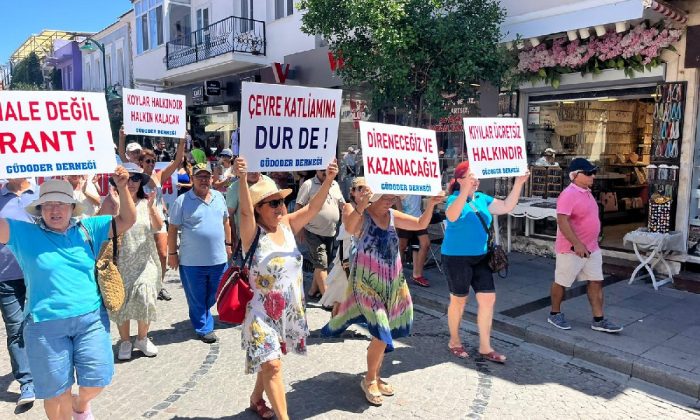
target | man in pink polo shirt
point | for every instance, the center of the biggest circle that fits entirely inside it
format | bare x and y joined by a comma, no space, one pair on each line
578,254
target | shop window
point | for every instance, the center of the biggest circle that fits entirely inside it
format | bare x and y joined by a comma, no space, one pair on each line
149,24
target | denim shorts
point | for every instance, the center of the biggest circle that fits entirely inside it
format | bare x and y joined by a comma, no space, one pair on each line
61,349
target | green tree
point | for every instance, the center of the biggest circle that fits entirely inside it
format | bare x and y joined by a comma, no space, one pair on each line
27,72
412,54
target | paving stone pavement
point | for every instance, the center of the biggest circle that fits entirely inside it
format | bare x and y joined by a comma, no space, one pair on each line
192,380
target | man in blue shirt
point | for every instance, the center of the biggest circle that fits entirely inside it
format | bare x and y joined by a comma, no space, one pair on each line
14,197
205,246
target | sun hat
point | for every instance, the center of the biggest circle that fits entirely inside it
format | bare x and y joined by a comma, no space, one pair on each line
549,152
226,152
133,168
201,167
266,188
359,182
132,147
55,190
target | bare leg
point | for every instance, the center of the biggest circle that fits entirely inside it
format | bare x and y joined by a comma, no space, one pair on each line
59,408
257,394
124,334
320,279
85,395
557,296
375,355
162,247
143,329
420,256
274,387
595,297
484,319
454,318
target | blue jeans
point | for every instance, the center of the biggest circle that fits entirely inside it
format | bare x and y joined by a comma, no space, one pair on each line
60,350
12,296
200,284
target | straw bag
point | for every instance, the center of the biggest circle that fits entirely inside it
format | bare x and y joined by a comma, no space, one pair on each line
106,272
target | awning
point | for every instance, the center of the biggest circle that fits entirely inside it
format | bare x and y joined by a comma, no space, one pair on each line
536,18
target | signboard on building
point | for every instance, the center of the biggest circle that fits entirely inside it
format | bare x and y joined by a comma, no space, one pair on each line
288,128
212,87
49,133
400,160
198,95
158,114
496,147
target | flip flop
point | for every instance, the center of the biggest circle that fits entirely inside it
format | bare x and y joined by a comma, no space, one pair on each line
385,388
372,398
459,352
494,356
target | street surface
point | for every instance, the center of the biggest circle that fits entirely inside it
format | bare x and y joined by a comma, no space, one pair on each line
192,380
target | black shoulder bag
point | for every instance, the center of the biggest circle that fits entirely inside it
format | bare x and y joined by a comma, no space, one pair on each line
497,257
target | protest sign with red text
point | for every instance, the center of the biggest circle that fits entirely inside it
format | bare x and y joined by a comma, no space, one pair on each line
288,128
48,133
149,113
400,160
496,147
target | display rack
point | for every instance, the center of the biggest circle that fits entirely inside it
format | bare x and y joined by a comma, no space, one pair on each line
545,181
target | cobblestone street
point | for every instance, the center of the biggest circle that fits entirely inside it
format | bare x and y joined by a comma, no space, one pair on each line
192,380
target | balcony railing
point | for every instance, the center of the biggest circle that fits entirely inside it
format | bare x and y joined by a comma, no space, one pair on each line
232,34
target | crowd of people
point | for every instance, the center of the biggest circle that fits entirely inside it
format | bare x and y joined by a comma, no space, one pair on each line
51,236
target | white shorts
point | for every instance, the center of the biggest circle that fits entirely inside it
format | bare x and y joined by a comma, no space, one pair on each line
571,267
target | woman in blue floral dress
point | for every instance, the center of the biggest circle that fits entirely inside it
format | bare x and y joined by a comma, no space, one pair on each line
275,320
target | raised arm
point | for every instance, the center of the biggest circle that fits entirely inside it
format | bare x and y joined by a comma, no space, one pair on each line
127,211
352,216
247,217
168,171
121,147
303,216
407,222
506,206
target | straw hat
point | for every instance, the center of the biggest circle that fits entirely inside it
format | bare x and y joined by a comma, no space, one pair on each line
55,190
265,188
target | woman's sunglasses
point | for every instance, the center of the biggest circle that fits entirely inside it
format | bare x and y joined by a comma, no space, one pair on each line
360,188
149,161
135,178
272,203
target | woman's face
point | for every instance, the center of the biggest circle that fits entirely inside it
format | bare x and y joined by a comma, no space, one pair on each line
356,192
57,215
225,161
385,202
148,164
271,209
133,184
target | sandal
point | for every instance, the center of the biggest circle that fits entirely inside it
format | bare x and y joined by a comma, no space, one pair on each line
374,398
261,409
494,356
385,388
459,352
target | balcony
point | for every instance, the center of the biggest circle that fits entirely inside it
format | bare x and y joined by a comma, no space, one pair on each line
232,34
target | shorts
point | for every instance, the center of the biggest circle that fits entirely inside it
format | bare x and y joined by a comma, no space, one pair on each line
570,267
463,271
61,349
320,248
410,234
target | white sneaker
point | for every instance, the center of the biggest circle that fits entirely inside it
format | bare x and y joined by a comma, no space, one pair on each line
124,350
146,346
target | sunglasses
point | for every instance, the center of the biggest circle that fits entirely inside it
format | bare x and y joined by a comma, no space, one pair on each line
360,188
589,173
149,161
273,203
135,178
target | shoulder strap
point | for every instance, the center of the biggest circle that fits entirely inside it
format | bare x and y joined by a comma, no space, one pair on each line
483,223
114,241
249,255
89,238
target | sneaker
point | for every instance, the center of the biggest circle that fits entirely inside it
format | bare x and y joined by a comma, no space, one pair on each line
606,326
124,350
26,394
164,295
209,338
559,321
146,346
421,281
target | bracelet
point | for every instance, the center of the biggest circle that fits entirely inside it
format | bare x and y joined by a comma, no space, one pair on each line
358,212
172,253
228,243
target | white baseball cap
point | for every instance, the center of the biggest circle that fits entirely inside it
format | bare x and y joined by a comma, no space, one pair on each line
132,147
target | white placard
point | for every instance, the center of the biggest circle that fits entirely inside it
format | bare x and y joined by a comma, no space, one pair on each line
400,160
48,133
288,128
496,147
158,114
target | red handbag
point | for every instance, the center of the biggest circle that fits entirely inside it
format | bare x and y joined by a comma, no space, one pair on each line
234,290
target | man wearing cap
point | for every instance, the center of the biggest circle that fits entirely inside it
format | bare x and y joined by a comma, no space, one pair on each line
205,246
14,197
129,153
321,230
234,209
578,254
547,158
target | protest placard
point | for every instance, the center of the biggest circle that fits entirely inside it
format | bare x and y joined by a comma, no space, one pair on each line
47,133
288,128
168,186
149,113
495,147
400,160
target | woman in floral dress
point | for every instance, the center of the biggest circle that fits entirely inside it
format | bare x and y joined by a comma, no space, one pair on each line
377,293
275,320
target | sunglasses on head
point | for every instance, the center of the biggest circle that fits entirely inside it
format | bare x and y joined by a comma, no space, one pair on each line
589,173
273,203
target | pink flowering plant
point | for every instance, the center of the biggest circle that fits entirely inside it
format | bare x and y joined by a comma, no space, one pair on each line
633,51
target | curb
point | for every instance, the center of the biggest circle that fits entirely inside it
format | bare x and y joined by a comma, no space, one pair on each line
628,364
